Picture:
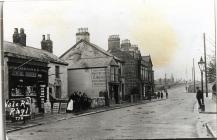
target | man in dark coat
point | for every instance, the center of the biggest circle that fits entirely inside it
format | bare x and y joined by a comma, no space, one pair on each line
161,93
199,97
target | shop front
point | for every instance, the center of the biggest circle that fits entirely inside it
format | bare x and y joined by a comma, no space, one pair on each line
28,80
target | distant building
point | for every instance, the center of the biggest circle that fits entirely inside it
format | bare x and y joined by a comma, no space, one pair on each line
30,71
135,70
148,76
92,70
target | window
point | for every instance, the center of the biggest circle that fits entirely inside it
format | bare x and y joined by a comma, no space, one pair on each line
57,71
114,73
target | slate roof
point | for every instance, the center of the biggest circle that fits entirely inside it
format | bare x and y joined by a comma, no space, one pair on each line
93,63
147,59
95,46
27,52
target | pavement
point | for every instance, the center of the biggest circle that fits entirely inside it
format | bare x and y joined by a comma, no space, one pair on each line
208,118
48,118
176,117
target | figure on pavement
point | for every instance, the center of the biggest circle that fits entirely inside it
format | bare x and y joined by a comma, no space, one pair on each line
199,97
161,94
166,94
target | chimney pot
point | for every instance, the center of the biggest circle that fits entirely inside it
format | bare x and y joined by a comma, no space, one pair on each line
22,37
113,42
82,34
48,36
16,36
43,37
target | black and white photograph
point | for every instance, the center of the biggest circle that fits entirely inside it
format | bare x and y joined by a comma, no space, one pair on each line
108,69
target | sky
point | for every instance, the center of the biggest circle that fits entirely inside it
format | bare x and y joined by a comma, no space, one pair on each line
171,31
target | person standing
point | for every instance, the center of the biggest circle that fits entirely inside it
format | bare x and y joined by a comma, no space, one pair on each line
161,93
158,95
199,97
166,94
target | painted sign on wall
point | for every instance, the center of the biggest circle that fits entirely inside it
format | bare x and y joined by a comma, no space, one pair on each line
18,108
98,77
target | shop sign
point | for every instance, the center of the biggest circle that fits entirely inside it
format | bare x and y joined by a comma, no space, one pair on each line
18,108
98,77
42,95
63,107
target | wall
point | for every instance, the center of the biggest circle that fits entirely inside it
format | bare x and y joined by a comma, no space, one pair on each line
87,80
52,80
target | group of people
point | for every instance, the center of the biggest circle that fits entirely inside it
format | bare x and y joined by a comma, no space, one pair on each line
161,95
78,101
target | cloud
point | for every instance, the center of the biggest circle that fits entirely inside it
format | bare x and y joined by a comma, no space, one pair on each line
155,36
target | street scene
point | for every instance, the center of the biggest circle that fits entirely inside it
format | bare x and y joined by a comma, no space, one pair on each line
151,120
106,69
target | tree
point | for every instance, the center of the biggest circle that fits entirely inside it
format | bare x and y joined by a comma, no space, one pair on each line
211,71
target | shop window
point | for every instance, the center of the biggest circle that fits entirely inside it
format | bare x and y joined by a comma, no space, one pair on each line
57,71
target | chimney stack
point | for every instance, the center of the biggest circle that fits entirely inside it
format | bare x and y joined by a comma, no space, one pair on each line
125,45
43,43
22,37
113,42
47,45
16,36
82,34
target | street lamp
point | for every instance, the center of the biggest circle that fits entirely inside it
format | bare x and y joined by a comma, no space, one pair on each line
201,65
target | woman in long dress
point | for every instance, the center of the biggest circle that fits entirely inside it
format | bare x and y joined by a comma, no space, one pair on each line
70,106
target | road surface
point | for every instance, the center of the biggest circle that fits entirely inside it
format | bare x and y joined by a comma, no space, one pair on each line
170,118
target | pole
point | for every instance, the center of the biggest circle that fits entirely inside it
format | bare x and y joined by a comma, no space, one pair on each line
2,101
194,75
165,80
215,43
204,38
202,85
215,31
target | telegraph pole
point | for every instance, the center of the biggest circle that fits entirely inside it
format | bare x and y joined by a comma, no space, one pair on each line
194,75
215,44
165,80
204,39
2,101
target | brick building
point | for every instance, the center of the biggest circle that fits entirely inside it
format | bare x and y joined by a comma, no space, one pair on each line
131,56
137,70
148,83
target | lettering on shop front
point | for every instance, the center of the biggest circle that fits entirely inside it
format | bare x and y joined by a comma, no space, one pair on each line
98,77
18,108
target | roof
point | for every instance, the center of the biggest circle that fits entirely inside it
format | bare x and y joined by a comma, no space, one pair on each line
16,50
93,45
92,63
147,59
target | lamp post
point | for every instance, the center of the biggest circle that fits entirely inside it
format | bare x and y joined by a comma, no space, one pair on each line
201,65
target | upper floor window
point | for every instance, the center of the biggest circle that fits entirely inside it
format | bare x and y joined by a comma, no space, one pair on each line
114,73
57,71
